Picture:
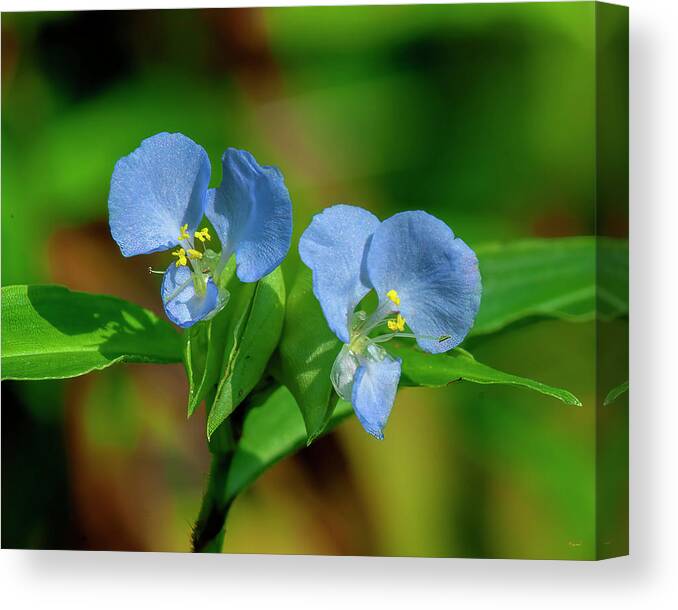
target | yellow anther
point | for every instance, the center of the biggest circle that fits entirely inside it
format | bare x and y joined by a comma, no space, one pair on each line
184,233
194,253
203,235
393,295
181,257
397,325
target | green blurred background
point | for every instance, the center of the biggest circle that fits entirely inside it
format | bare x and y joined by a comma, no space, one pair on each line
483,115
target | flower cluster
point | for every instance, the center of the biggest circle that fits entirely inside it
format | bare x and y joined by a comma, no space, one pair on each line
424,277
159,196
426,280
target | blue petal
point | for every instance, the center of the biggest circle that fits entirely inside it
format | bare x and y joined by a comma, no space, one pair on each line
155,190
333,246
374,390
182,305
435,275
252,214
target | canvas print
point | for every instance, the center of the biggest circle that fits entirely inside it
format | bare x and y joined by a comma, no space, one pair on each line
317,280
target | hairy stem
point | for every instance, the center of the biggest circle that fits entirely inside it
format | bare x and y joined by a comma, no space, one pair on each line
209,528
208,532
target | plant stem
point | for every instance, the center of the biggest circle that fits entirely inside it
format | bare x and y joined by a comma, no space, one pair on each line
209,529
208,532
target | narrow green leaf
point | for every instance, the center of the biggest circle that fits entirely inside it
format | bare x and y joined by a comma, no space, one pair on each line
613,277
208,342
253,336
436,370
521,280
305,355
616,392
276,429
50,332
196,348
551,277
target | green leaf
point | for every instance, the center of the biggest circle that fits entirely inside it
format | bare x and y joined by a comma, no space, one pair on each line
613,277
521,280
50,332
551,277
208,342
305,355
253,330
436,370
276,429
199,363
272,431
616,392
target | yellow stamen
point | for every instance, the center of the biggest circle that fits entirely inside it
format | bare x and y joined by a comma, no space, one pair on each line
184,233
181,256
393,295
203,235
397,325
194,253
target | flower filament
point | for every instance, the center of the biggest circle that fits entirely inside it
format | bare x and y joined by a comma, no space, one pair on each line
362,347
202,264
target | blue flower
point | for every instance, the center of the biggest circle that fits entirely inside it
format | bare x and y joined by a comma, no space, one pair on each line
424,277
158,198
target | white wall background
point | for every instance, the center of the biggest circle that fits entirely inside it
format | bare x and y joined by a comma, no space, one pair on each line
647,578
